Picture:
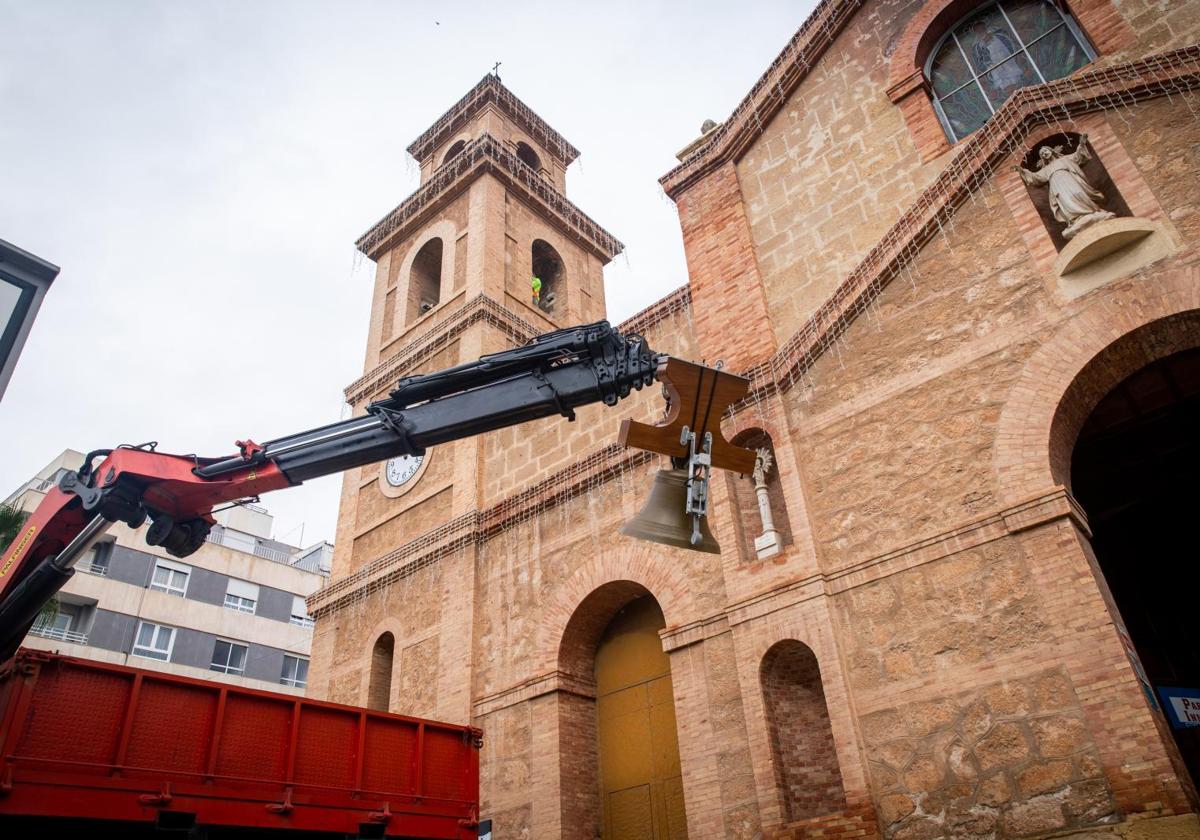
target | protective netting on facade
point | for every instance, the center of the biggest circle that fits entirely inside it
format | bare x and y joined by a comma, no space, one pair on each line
486,152
491,90
612,472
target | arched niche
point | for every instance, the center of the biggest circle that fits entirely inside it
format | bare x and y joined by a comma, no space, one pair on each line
379,688
748,519
808,777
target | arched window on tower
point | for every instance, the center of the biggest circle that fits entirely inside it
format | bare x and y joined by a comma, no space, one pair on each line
995,50
529,157
425,280
547,280
453,151
379,690
807,773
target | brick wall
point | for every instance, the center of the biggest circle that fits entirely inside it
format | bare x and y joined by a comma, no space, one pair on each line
806,763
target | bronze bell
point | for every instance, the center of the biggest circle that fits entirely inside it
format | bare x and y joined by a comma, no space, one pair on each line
663,520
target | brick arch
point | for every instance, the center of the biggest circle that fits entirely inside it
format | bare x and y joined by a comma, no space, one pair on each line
367,644
1145,319
614,580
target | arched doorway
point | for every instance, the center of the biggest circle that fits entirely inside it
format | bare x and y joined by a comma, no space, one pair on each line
1135,470
641,782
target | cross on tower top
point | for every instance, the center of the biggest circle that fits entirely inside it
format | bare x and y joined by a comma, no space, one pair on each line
496,69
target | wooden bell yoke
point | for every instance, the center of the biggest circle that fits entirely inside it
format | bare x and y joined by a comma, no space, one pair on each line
697,397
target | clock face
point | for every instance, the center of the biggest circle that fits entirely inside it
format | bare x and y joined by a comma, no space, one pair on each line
399,471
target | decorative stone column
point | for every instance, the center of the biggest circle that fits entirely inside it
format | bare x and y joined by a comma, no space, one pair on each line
767,544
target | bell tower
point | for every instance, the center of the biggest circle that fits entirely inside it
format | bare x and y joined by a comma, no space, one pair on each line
455,263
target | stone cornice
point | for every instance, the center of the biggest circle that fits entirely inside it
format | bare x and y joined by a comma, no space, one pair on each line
767,97
487,154
490,90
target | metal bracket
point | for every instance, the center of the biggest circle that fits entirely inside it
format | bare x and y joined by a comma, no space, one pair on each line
394,420
699,470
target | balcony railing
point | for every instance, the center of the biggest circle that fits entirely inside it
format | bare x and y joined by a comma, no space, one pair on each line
47,631
93,569
217,535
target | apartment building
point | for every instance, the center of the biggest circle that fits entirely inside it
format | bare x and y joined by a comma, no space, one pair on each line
233,611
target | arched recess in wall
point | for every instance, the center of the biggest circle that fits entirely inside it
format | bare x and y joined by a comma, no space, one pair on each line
379,688
528,156
455,147
807,775
425,280
745,492
621,773
547,282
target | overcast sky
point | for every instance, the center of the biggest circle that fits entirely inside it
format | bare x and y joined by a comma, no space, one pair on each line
201,170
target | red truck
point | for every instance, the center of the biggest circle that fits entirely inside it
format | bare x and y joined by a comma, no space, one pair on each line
143,750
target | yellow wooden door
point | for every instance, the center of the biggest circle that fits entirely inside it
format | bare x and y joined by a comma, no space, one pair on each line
640,778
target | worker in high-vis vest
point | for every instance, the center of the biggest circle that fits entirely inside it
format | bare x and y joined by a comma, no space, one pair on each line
536,284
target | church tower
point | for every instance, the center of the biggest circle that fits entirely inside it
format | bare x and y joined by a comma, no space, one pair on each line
455,262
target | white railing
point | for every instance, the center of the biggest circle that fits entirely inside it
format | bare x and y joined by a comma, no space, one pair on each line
93,569
47,631
217,535
301,621
273,554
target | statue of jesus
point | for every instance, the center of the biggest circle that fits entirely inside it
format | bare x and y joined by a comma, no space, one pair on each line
1072,199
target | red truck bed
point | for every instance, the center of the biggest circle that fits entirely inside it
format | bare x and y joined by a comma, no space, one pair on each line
89,740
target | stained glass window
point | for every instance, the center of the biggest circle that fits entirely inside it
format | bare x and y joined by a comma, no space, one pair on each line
995,50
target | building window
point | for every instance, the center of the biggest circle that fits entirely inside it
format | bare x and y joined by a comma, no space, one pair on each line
228,657
153,641
65,625
295,671
95,562
241,596
996,50
300,614
169,577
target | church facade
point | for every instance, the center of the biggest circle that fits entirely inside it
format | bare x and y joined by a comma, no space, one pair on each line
954,246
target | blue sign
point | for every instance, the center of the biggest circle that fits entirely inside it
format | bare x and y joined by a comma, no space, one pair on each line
1182,705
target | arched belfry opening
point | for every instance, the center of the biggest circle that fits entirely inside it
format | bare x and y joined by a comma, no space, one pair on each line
454,150
807,773
1134,471
624,776
547,280
528,156
425,280
379,689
